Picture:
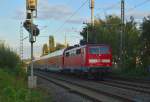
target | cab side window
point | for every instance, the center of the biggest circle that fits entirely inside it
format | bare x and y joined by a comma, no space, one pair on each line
67,54
78,51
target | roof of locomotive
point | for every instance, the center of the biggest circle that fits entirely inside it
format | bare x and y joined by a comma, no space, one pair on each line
97,45
82,46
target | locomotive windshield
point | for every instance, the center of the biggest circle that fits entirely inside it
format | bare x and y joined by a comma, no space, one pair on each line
94,50
99,50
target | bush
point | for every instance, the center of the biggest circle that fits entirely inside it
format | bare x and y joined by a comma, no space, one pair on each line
8,58
9,94
131,72
14,90
13,84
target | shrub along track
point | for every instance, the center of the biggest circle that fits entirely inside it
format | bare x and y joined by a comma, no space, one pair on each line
105,91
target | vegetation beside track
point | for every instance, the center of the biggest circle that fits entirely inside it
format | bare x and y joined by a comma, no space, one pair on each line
133,73
13,80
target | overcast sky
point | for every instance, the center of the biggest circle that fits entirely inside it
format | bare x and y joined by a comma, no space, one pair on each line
53,13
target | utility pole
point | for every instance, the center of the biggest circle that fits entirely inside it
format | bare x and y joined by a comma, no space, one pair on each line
92,11
122,32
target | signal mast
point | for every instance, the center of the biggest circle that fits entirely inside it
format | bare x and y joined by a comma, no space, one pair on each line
31,12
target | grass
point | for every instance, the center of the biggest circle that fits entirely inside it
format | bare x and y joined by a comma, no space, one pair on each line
13,80
14,89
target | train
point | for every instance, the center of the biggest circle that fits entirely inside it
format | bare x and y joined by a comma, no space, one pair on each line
89,59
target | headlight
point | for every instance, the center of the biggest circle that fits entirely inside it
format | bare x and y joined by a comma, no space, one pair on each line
106,61
93,60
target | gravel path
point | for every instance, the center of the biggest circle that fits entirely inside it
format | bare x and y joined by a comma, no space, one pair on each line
60,94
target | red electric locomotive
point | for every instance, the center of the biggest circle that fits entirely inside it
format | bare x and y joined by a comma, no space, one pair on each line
90,59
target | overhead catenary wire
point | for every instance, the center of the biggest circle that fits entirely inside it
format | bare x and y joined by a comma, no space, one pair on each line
110,7
113,6
105,9
136,6
128,10
71,16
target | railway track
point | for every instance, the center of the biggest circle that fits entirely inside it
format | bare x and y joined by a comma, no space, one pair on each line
129,83
105,91
135,80
144,88
88,92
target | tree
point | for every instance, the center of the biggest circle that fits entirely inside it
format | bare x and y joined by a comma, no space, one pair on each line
51,44
60,46
8,58
45,49
131,43
145,39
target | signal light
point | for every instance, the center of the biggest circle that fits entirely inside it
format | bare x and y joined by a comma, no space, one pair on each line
31,28
27,25
29,15
31,4
36,30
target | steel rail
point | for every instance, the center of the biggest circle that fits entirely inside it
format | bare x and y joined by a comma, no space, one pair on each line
98,93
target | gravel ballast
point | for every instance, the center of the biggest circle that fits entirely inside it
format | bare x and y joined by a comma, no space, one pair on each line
60,94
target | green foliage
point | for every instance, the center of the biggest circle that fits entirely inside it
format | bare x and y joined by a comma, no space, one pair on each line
8,58
131,72
10,61
59,46
51,44
131,43
45,49
145,42
13,85
52,47
14,89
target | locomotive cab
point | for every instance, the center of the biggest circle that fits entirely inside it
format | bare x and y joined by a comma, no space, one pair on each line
99,58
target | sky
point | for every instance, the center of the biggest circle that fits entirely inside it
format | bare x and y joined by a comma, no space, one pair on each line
60,18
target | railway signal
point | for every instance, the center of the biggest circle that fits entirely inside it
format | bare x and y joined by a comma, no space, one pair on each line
31,28
32,5
31,8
